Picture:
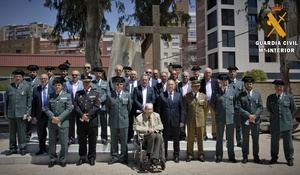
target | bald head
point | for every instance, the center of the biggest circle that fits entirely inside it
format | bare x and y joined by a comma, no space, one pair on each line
207,73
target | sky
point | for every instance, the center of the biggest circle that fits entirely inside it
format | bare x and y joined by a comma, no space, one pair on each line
27,11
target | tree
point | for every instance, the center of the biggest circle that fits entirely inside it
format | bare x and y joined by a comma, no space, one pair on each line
169,16
83,18
257,74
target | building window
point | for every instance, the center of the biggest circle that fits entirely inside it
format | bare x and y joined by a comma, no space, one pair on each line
166,55
18,51
228,59
252,3
212,20
228,39
253,59
211,3
212,40
270,58
252,39
213,60
231,2
227,17
166,45
294,64
175,45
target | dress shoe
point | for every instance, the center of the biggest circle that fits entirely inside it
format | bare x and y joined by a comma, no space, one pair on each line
125,161
176,159
80,162
290,163
214,138
103,141
218,159
257,160
233,160
71,141
10,152
201,158
205,138
189,158
273,161
245,160
112,161
163,165
40,152
23,152
51,164
63,164
92,162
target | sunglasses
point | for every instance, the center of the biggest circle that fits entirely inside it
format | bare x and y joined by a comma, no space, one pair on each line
87,67
74,75
148,72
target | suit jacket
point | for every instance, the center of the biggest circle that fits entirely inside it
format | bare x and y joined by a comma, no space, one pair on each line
250,106
171,111
69,88
214,85
281,112
142,124
118,109
179,87
138,97
18,100
224,105
87,103
153,82
102,90
195,107
61,106
36,110
237,85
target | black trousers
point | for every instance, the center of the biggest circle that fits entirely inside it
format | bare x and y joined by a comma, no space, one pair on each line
131,117
103,124
28,130
87,135
41,128
72,119
175,133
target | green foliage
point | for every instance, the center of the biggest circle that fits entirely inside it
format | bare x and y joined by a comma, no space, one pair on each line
3,86
257,74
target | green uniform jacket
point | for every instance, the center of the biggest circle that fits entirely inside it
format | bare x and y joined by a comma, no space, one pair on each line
118,109
18,100
195,108
60,106
281,112
250,105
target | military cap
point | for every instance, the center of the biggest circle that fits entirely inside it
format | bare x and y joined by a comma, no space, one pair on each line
86,78
18,72
32,67
278,82
195,68
49,68
176,66
63,67
232,68
98,69
59,80
118,80
127,68
196,83
223,77
248,79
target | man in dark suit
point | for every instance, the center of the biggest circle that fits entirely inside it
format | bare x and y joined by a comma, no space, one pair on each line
40,98
208,86
87,104
281,106
142,94
170,107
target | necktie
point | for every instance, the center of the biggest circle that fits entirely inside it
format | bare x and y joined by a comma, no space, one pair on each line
45,97
170,96
278,97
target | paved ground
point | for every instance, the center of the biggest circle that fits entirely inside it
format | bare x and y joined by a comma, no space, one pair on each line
194,167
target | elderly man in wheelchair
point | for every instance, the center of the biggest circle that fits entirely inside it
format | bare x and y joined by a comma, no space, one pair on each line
148,127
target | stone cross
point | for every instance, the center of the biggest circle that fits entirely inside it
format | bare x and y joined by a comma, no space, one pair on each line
155,30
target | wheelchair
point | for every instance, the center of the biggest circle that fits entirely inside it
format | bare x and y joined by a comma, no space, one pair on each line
141,159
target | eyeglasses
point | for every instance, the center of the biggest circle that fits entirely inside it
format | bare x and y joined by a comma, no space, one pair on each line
87,67
148,72
74,75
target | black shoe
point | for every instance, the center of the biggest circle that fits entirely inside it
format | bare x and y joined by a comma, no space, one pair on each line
112,161
71,141
257,160
201,158
233,160
205,138
245,160
40,152
239,144
214,138
163,165
103,141
63,164
290,163
80,162
10,152
273,161
92,162
218,159
189,158
51,164
23,152
176,159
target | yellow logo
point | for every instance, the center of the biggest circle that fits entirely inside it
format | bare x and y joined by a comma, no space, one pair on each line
276,24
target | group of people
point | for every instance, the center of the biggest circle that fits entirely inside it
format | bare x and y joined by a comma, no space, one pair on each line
158,107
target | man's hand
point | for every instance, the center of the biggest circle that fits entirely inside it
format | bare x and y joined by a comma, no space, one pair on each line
85,117
181,124
151,130
55,120
252,118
